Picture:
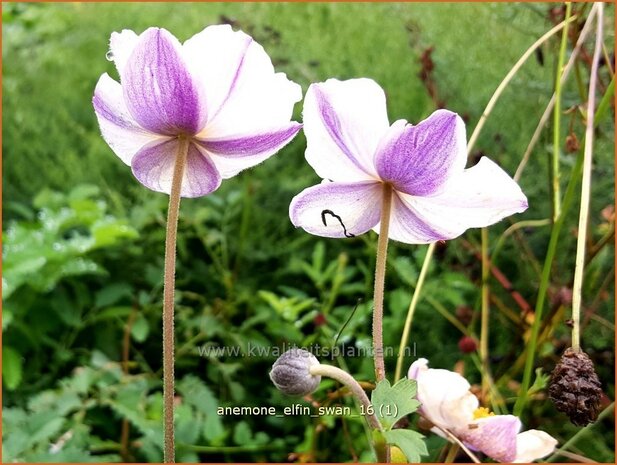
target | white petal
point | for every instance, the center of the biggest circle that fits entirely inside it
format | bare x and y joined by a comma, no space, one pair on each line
119,129
444,396
344,122
121,45
333,209
478,197
532,445
243,93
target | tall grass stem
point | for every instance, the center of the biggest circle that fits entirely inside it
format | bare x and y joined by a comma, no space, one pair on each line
549,107
506,80
555,175
412,309
585,188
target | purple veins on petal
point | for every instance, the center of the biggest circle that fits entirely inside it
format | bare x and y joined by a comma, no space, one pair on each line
158,87
495,436
153,166
252,144
418,160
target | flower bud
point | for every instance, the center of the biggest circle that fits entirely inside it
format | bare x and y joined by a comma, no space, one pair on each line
575,388
290,373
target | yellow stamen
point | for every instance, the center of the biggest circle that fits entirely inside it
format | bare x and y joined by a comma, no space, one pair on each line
482,412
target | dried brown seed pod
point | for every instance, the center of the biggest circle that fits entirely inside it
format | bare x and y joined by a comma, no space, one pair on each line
575,388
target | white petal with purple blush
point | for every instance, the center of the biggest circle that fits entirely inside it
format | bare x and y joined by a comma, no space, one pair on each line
158,88
495,436
243,92
234,154
153,166
119,129
477,197
419,160
337,209
409,227
344,122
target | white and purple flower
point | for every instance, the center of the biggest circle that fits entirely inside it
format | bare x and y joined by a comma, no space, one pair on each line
447,402
351,145
218,90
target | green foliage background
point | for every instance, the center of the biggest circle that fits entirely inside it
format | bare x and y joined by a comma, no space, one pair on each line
83,241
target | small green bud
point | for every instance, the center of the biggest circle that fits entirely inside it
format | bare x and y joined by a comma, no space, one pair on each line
291,373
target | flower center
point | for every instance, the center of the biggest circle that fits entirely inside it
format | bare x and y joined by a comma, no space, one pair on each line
482,412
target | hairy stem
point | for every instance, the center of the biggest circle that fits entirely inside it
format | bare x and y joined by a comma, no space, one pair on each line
380,277
555,175
485,314
411,311
346,379
168,301
585,189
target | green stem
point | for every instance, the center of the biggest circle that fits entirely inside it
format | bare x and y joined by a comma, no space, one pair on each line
484,323
549,107
555,175
411,311
380,277
582,432
577,288
168,301
506,80
603,106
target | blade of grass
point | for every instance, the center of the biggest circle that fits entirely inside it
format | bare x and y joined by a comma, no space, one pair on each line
555,175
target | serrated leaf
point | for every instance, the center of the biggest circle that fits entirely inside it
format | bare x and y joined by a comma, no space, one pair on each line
410,442
392,403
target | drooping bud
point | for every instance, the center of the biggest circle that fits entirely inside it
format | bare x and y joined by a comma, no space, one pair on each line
290,373
575,388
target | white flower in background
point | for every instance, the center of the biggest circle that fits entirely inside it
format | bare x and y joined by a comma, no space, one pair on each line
447,402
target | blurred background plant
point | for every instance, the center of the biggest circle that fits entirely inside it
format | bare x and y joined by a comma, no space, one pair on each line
82,242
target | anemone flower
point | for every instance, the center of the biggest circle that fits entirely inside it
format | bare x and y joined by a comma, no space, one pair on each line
363,159
408,183
184,117
214,101
447,402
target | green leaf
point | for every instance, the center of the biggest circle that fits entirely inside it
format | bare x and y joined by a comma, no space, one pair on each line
12,368
242,433
140,329
410,442
392,403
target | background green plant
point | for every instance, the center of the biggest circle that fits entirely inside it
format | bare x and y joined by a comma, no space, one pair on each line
83,241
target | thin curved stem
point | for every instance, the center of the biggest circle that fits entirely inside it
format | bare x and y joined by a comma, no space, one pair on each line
555,175
549,107
380,277
456,440
346,379
168,301
506,80
585,189
411,311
